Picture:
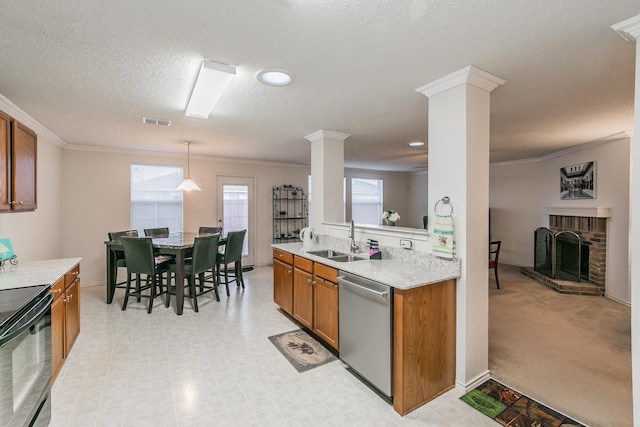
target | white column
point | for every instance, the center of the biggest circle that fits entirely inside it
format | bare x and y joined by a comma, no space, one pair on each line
630,31
459,168
327,174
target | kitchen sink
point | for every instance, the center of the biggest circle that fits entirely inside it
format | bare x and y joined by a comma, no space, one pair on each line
327,253
346,258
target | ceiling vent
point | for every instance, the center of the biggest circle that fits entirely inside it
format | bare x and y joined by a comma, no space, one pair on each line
159,122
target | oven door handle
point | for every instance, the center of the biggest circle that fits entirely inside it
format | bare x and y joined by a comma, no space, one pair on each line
28,320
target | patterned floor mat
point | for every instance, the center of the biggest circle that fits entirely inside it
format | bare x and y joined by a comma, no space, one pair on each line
513,409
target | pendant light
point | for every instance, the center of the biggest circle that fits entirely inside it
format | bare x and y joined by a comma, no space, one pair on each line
188,184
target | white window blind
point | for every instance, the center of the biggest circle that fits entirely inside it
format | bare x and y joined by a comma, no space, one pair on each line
366,200
155,202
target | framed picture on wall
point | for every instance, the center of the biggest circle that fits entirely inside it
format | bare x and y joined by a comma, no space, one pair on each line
578,181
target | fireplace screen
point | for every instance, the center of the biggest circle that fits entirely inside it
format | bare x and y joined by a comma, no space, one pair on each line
561,256
568,256
543,251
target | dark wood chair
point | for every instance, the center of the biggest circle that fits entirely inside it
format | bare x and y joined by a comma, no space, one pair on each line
114,236
232,255
210,230
494,253
203,262
157,232
138,254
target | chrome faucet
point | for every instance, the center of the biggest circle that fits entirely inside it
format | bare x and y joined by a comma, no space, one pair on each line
352,235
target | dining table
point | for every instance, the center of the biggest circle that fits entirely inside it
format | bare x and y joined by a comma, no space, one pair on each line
178,245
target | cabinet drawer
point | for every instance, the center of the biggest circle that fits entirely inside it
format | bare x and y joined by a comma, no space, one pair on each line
72,275
303,264
285,257
58,289
326,272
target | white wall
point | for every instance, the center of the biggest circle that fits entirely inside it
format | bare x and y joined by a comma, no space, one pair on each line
38,234
97,199
515,201
520,190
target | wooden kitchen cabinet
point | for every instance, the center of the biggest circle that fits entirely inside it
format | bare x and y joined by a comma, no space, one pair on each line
308,291
303,291
283,285
57,328
72,315
18,154
325,296
424,344
65,318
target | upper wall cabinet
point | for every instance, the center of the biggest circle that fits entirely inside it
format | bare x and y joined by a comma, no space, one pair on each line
18,153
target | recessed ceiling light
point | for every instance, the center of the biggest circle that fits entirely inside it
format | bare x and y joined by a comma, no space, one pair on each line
275,77
415,143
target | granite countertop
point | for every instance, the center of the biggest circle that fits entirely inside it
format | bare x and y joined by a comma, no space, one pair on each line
410,271
35,273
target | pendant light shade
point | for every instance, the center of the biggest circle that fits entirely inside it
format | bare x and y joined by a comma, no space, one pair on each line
188,184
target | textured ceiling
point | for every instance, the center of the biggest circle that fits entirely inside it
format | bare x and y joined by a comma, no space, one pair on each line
90,70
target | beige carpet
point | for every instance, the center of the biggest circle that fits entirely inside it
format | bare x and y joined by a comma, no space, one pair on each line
570,352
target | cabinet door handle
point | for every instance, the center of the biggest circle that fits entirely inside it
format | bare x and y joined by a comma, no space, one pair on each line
57,291
288,271
20,202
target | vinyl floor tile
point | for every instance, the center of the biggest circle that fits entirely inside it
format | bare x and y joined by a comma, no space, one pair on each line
212,368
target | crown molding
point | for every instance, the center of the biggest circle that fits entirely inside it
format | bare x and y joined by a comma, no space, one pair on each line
468,75
324,134
591,144
173,154
628,29
23,117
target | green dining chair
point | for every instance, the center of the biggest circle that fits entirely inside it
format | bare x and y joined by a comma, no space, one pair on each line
232,255
140,260
157,232
210,230
202,262
114,236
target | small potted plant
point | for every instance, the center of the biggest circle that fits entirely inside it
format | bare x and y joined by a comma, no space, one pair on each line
390,217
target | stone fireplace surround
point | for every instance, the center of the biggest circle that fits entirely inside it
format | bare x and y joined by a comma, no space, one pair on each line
591,225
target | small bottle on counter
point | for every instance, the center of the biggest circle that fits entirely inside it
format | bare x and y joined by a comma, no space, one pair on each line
374,249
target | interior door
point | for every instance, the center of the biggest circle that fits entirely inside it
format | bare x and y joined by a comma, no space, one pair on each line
236,210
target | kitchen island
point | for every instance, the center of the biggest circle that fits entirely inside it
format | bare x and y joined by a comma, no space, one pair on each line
424,310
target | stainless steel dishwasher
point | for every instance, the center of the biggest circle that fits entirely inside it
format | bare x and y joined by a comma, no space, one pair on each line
366,318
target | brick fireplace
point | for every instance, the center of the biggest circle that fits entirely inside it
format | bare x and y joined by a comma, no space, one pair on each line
591,225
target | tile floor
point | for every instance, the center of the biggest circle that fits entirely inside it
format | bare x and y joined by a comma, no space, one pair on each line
215,368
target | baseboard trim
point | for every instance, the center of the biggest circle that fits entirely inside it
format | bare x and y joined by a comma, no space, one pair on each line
470,385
